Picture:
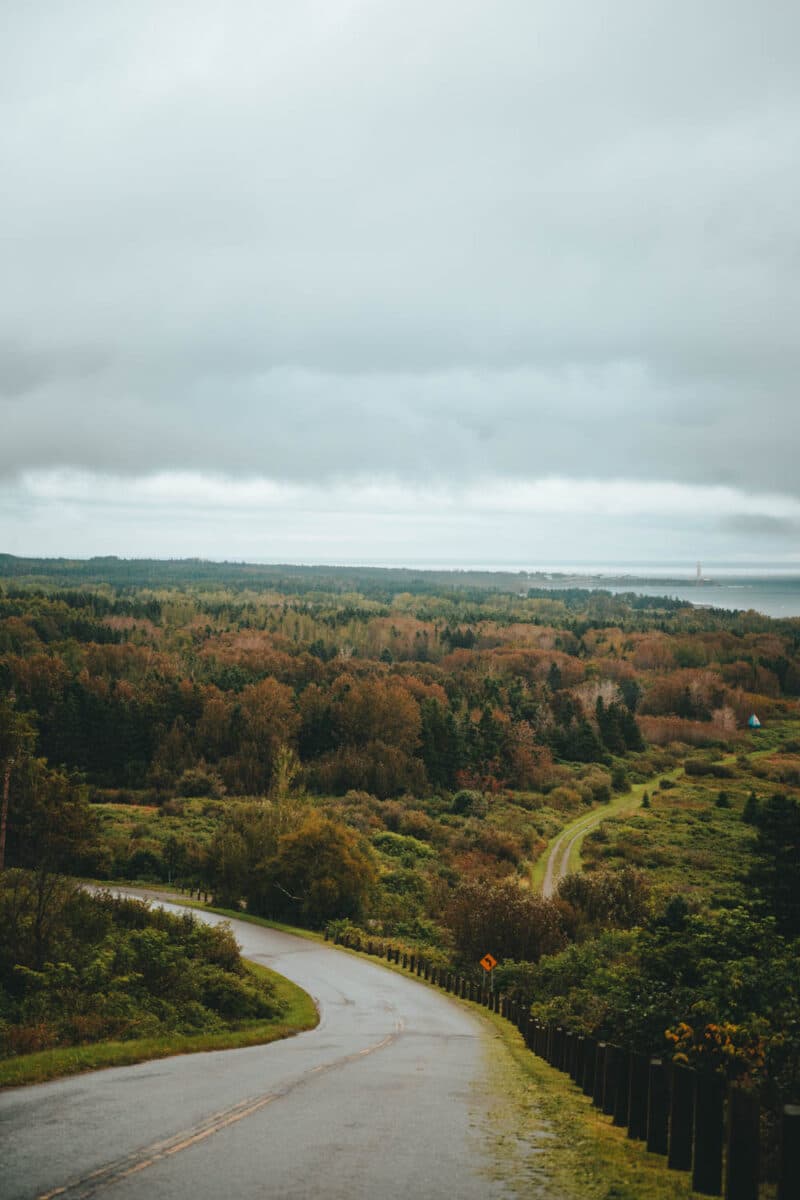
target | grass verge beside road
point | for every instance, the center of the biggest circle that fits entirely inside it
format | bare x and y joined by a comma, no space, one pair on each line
299,1014
547,1133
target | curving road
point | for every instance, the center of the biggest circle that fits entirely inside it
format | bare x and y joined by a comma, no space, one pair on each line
385,1098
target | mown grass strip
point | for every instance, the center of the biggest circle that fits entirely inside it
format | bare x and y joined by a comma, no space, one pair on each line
546,1131
299,1014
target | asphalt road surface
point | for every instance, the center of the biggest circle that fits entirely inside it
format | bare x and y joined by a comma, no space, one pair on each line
386,1098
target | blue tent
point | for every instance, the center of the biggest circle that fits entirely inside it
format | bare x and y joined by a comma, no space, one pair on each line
754,722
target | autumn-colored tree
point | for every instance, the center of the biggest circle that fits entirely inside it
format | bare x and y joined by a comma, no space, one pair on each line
505,919
604,898
321,871
368,710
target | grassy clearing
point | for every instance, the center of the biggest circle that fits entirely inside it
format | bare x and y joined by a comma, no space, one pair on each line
687,840
299,1014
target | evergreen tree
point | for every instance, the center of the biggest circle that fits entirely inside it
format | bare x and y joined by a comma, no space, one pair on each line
751,810
775,873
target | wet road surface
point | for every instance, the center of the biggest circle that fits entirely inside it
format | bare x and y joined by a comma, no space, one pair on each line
385,1098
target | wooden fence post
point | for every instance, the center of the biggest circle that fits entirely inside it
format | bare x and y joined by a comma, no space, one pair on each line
657,1108
599,1075
681,1118
580,1061
623,1081
637,1096
569,1050
742,1160
610,1080
709,1096
789,1171
590,1064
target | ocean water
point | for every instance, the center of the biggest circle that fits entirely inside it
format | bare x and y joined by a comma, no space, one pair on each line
772,590
772,596
769,588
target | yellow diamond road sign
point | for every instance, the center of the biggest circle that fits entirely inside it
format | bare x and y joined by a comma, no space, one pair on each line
488,962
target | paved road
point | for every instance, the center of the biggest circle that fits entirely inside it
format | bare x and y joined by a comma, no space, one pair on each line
386,1098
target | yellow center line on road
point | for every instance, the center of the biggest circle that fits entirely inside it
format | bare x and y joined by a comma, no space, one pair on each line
148,1156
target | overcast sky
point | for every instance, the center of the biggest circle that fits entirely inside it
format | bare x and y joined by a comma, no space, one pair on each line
324,280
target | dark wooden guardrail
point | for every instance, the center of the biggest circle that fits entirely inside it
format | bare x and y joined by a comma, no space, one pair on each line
693,1118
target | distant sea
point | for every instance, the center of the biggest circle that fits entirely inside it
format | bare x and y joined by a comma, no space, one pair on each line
773,596
771,589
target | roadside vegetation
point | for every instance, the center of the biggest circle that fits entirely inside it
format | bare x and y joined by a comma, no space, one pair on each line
108,981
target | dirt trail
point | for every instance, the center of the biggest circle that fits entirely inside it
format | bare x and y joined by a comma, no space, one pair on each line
561,848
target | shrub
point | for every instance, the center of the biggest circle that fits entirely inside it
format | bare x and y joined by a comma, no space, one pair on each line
397,845
619,780
469,802
699,767
607,897
506,919
751,810
200,781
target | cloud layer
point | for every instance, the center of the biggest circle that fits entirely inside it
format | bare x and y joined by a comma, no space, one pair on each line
323,240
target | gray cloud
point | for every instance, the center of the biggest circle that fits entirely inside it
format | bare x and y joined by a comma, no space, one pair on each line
757,524
327,238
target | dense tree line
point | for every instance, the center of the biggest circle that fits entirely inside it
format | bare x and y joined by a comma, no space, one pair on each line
141,686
